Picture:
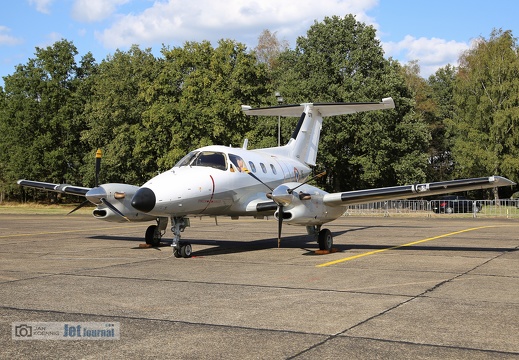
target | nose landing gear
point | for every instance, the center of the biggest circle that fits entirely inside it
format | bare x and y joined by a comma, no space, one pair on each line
180,248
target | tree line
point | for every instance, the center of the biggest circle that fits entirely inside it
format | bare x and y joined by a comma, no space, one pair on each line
145,111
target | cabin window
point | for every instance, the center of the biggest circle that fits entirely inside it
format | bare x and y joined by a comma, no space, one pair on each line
238,163
212,159
273,169
252,166
263,167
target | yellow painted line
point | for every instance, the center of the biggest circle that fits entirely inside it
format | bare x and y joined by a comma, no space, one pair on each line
66,231
334,262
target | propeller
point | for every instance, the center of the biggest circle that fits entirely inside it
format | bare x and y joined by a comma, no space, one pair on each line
258,179
99,154
97,194
318,176
283,196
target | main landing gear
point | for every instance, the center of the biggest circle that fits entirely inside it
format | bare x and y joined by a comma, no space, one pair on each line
180,248
323,236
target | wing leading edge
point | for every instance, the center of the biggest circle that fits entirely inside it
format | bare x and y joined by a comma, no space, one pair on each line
61,188
410,191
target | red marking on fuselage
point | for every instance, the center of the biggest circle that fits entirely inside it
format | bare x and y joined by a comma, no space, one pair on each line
212,195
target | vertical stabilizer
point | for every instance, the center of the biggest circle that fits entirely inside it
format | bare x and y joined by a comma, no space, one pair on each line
305,139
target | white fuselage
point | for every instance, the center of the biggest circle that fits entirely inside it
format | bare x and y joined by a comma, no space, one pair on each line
217,183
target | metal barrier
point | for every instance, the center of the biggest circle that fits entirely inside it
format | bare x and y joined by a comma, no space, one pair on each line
478,208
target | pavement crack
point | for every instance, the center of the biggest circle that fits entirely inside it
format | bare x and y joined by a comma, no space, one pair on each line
386,311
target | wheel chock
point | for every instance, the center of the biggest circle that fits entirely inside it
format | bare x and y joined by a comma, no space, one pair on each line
325,252
147,246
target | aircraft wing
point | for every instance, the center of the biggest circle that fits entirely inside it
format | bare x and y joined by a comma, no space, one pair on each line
411,191
326,109
61,188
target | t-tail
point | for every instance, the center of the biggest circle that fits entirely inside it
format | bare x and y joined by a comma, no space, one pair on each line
304,142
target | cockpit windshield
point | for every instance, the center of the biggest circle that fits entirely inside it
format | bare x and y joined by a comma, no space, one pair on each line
212,159
186,160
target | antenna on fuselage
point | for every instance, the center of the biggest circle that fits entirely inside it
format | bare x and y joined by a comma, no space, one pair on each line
245,144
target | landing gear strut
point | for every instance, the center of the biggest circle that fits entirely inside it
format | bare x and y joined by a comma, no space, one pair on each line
180,248
155,232
323,236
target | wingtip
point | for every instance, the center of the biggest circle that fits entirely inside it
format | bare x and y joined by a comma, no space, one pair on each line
389,102
501,181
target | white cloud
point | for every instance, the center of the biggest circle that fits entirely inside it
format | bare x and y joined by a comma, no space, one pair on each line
432,53
95,10
41,5
176,21
6,39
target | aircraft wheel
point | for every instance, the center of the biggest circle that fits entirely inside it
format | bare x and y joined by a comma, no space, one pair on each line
152,237
325,240
186,250
177,253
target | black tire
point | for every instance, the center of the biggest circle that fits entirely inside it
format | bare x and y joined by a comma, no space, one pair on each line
177,253
152,237
325,240
186,251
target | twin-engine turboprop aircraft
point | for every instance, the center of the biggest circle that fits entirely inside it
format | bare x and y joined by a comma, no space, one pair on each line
226,181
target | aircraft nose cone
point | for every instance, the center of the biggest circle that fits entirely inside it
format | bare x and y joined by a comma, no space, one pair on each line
144,200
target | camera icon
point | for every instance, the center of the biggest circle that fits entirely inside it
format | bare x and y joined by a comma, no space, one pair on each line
23,330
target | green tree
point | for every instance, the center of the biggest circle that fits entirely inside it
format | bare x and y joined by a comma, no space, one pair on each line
340,60
269,48
486,119
441,86
433,99
39,118
114,116
197,98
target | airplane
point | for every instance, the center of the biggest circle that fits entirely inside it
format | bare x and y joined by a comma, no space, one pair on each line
226,181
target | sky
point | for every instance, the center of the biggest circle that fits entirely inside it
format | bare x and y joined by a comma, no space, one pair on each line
433,32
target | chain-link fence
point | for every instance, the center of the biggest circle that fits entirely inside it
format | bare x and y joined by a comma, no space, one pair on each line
467,208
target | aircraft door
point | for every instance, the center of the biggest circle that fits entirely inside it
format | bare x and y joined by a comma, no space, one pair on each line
287,174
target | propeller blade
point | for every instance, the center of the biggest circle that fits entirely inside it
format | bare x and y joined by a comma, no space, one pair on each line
99,154
307,181
258,179
114,209
280,223
79,206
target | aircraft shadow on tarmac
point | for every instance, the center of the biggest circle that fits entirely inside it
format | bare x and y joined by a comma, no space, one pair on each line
304,242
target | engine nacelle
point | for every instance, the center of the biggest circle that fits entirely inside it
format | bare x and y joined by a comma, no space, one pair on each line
307,207
120,196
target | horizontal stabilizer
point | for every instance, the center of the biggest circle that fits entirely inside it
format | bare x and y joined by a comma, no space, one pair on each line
325,109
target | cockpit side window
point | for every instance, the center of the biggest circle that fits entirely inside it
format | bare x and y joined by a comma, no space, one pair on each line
238,162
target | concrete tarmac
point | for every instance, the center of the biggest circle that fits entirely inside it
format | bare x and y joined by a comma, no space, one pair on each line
397,288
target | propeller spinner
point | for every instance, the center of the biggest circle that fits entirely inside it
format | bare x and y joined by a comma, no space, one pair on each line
283,196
